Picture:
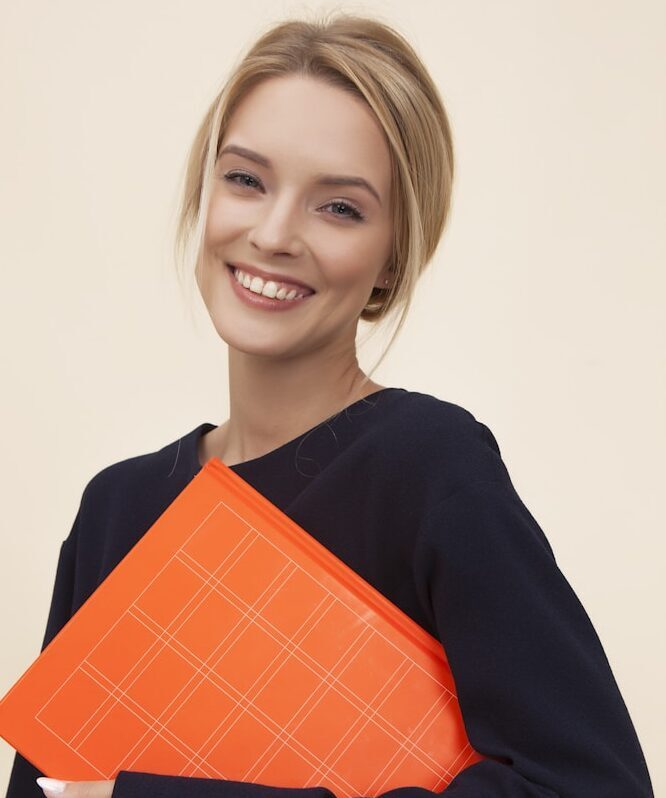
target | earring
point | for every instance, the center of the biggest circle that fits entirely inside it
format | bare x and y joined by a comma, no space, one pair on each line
385,282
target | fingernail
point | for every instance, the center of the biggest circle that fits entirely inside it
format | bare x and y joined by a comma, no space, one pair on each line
52,785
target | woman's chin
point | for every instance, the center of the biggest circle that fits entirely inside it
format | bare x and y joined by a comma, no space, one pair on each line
257,342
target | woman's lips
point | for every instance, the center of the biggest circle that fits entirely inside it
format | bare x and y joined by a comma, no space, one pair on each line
283,280
258,300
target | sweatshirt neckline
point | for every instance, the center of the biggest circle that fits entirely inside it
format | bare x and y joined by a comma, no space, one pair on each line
198,432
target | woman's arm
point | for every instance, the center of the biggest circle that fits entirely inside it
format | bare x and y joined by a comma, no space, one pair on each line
148,785
534,685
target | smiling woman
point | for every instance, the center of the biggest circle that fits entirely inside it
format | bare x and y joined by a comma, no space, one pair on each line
317,190
372,135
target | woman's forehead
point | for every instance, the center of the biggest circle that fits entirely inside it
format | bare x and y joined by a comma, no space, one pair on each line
302,120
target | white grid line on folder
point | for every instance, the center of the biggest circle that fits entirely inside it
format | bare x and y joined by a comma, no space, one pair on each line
325,685
193,761
145,589
161,639
247,540
258,714
417,735
363,709
202,760
351,609
273,587
364,706
213,583
240,697
125,701
64,742
368,719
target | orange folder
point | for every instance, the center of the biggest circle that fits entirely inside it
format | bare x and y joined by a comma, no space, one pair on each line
230,644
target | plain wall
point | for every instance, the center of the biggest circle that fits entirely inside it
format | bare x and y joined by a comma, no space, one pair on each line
542,312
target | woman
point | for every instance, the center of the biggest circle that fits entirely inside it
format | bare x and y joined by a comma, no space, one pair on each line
317,190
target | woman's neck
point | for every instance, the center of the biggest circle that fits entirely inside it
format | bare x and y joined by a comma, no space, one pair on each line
268,409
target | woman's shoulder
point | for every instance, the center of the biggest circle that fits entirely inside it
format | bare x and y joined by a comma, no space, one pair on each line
428,411
439,438
435,421
160,472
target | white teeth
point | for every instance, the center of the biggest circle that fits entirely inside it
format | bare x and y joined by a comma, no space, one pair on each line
269,289
256,285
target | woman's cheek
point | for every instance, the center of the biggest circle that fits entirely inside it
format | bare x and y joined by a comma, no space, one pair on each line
227,218
354,267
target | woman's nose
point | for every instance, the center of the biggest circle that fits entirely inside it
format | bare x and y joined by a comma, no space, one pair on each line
276,228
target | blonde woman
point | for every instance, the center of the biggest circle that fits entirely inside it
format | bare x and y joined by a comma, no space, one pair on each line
317,190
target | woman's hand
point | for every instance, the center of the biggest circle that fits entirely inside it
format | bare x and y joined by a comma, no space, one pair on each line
76,789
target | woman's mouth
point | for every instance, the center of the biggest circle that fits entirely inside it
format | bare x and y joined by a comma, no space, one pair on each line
265,294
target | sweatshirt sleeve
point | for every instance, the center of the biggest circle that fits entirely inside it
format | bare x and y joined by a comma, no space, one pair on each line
535,688
23,774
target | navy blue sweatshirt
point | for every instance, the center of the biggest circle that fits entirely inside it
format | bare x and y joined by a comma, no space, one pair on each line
412,493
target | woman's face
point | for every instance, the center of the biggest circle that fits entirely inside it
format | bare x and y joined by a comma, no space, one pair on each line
273,209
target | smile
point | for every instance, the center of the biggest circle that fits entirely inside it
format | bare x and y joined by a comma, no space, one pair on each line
268,295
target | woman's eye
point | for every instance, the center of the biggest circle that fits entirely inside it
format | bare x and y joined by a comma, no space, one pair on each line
355,213
231,177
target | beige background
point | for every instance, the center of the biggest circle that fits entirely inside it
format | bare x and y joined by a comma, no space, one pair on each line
542,313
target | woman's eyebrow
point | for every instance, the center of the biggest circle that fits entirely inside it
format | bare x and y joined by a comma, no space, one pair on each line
322,180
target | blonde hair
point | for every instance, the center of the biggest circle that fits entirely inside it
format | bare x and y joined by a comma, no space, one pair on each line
372,61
